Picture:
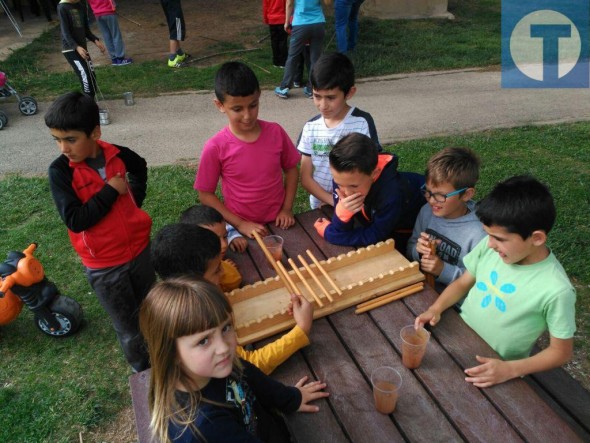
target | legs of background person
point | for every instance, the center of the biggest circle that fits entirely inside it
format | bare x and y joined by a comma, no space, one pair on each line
175,18
342,11
353,24
302,63
316,34
84,70
299,36
111,34
279,44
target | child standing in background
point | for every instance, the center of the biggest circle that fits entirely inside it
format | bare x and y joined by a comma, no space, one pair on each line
106,17
273,14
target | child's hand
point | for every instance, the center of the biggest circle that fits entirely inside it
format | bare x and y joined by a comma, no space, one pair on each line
231,262
423,244
491,372
353,202
246,227
238,244
432,264
320,225
310,392
285,219
430,316
118,183
100,46
82,52
302,312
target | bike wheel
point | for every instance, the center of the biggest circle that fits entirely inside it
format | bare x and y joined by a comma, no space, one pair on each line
67,312
27,106
3,120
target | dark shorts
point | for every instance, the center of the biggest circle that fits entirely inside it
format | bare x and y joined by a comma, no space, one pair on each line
175,18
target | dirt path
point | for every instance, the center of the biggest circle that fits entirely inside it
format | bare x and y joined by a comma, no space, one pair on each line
209,23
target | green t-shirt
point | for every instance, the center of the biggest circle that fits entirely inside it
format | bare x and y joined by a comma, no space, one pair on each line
510,306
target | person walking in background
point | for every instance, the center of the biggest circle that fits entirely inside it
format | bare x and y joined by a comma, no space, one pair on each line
346,15
106,17
273,15
175,18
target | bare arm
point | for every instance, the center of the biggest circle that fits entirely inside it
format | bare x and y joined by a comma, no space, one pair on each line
492,371
244,226
310,185
285,218
288,13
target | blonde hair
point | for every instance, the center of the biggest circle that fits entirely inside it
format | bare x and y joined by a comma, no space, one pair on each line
175,308
458,166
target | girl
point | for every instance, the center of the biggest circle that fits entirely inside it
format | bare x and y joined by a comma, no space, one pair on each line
199,390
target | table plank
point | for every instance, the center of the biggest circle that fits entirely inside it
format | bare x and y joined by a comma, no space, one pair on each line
307,220
533,419
416,411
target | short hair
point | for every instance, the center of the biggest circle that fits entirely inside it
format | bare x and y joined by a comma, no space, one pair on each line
73,111
333,70
201,215
176,308
236,79
458,166
520,204
184,249
354,152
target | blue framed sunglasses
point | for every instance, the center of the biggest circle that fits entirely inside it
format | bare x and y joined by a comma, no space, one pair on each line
438,197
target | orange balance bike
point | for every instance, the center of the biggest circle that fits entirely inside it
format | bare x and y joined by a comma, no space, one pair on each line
23,282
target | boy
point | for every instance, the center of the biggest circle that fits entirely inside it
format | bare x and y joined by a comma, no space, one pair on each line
98,189
516,288
332,79
449,218
187,249
74,32
250,156
177,32
106,18
209,218
371,191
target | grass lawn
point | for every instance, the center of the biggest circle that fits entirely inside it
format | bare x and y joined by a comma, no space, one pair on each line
53,389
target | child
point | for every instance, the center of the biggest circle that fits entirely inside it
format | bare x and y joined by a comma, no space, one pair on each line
209,218
332,80
98,189
199,389
346,15
305,19
177,31
187,249
449,218
516,288
369,190
273,15
106,17
74,32
250,156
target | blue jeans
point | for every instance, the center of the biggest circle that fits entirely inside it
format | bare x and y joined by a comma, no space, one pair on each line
346,14
111,35
300,35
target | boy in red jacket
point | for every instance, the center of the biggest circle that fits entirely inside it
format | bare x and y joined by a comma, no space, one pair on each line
98,189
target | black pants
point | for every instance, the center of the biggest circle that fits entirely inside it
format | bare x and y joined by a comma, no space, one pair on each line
278,43
84,70
120,291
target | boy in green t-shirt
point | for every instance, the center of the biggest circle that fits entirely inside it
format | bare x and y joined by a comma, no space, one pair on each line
517,288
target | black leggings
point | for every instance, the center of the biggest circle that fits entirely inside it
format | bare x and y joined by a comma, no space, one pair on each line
84,70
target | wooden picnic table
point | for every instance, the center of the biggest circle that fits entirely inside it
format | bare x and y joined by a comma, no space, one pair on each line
435,403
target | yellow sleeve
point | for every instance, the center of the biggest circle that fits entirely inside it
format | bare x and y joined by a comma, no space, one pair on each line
230,277
273,354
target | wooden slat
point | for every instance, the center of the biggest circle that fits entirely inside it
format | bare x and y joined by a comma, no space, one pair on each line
533,419
139,384
416,412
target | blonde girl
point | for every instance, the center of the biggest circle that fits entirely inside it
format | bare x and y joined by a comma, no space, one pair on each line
199,389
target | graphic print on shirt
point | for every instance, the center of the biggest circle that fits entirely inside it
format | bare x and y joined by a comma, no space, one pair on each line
493,292
242,398
447,250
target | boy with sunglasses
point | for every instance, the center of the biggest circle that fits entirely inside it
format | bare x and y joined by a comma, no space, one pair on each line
449,218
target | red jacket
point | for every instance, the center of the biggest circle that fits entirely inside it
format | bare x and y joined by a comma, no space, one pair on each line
273,12
105,228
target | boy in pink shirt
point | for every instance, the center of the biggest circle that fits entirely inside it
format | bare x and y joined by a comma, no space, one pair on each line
255,160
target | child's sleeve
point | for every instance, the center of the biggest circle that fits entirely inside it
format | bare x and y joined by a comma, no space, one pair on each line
373,131
209,169
273,354
271,393
76,215
137,173
290,156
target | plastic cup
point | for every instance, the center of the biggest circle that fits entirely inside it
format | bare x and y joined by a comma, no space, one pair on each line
274,244
386,383
128,96
414,342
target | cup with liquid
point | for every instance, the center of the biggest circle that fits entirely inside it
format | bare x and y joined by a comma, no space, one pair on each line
386,383
414,343
274,244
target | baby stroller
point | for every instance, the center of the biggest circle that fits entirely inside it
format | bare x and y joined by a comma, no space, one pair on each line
26,105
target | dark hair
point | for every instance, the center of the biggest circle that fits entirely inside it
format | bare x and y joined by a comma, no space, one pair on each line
520,204
354,152
73,111
236,79
455,165
201,215
333,70
183,249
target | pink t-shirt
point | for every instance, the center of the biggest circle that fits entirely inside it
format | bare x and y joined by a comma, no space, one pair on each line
251,173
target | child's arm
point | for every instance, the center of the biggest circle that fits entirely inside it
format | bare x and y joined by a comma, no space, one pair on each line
288,14
269,357
451,295
137,173
310,185
285,217
493,371
244,226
